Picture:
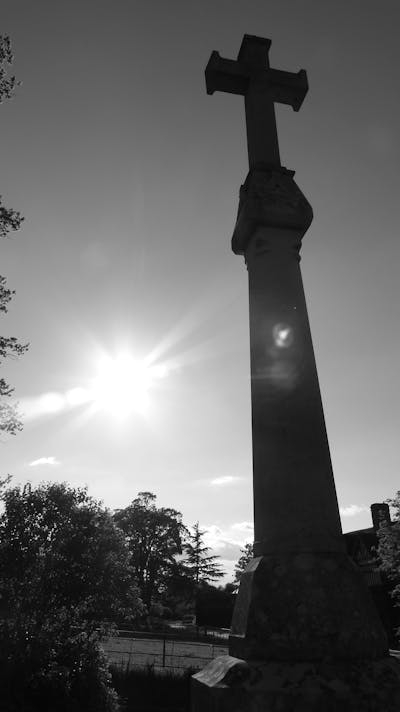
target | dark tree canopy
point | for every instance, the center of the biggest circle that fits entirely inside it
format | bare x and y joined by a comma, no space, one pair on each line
64,571
154,537
7,83
60,551
389,549
10,220
214,606
201,566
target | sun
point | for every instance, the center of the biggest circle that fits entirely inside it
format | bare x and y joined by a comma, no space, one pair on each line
121,385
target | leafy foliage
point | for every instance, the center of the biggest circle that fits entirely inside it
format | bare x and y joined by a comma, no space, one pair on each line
154,538
7,84
243,561
201,566
64,570
59,550
388,550
10,220
53,666
9,347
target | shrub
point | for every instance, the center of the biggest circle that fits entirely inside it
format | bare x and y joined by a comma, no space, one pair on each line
47,669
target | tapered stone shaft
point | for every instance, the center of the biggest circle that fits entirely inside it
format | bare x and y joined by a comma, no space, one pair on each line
292,472
301,597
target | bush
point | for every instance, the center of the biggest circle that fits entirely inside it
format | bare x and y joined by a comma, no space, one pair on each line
64,569
45,669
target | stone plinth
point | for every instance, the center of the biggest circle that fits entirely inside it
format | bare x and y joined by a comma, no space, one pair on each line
304,607
229,684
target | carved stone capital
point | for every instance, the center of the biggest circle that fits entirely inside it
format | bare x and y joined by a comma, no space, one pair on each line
270,197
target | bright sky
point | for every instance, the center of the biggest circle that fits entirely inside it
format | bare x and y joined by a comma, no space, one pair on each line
128,176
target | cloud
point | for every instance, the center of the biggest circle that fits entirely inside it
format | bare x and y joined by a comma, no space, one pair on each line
227,544
222,481
244,527
352,510
44,461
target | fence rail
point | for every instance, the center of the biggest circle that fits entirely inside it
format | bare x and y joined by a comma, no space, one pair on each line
163,653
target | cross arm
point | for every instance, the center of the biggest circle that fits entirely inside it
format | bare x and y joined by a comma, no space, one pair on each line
225,75
288,87
234,77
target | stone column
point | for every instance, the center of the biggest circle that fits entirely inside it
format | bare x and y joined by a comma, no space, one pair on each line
295,505
301,598
305,634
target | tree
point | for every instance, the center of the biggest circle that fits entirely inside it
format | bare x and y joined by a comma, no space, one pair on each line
154,538
214,606
10,220
7,84
244,560
388,550
64,572
60,550
201,566
57,666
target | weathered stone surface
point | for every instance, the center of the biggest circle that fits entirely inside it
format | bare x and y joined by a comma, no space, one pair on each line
229,684
305,606
270,197
295,505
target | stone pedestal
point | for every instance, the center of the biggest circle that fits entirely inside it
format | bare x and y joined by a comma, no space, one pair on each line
232,685
305,607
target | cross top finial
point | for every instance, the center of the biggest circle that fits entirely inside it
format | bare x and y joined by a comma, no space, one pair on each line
254,51
251,76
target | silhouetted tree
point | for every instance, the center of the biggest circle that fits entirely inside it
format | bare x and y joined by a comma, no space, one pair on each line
154,537
214,605
60,550
7,83
243,561
9,220
179,595
64,572
201,566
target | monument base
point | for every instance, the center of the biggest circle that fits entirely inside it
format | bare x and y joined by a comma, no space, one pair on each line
229,684
305,606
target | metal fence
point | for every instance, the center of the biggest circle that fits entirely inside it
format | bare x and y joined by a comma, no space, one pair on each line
162,654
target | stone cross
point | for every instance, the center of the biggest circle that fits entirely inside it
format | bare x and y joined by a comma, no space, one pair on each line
303,616
295,505
261,86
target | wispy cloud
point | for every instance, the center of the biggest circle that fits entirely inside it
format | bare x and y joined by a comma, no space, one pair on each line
222,481
44,461
352,510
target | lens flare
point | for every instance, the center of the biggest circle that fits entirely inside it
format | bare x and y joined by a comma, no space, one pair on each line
282,335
